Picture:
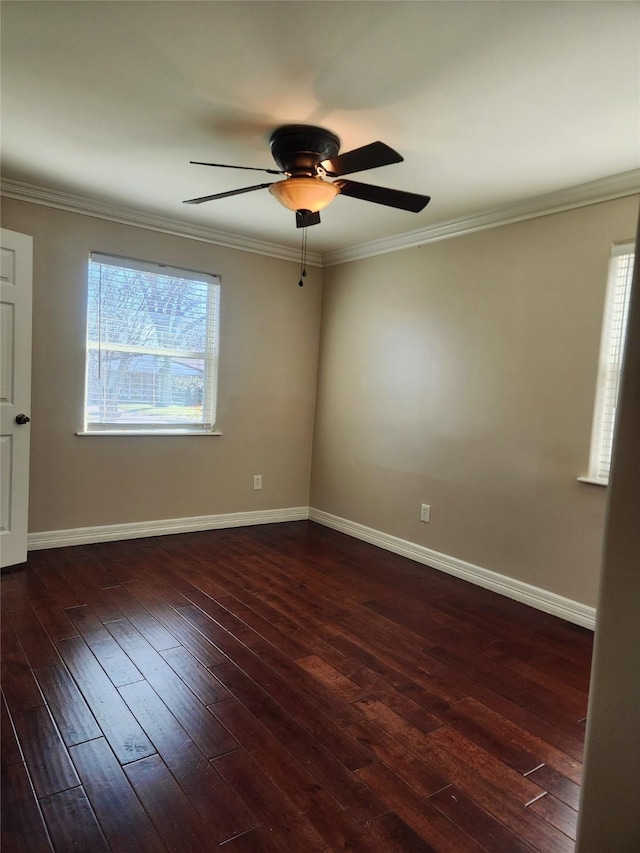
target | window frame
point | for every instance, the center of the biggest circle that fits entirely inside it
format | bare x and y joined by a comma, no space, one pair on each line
610,359
210,355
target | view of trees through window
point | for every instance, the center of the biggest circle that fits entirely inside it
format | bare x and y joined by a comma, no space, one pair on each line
150,346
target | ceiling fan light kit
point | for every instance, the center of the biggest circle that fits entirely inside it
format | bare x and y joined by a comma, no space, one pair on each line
306,155
311,194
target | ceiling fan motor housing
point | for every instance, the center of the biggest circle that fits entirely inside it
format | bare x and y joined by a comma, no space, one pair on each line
299,148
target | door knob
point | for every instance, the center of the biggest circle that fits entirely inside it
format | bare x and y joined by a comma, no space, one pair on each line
22,419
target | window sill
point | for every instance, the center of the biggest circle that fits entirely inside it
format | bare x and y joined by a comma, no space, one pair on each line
592,481
147,432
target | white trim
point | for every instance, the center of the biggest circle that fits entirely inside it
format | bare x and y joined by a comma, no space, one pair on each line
541,599
128,216
166,527
593,481
165,432
593,192
604,189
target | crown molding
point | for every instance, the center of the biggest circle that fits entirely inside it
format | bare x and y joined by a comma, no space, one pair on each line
604,189
129,216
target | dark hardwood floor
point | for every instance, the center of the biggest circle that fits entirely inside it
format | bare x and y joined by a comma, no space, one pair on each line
281,688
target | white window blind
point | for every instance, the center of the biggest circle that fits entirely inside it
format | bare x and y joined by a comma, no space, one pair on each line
152,347
610,364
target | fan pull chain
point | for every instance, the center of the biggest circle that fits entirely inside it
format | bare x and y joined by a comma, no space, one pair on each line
303,257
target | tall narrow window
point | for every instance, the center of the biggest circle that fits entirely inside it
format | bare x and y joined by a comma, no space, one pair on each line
152,347
611,349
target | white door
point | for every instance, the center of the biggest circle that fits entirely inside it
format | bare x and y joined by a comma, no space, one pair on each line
15,393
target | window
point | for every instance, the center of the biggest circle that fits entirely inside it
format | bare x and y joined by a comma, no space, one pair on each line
152,348
611,349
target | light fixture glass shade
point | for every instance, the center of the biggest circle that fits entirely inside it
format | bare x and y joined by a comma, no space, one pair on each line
304,193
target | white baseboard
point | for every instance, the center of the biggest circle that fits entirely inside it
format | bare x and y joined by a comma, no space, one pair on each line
142,529
541,599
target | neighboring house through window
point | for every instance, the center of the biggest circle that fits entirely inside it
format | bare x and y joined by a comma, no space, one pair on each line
152,348
610,364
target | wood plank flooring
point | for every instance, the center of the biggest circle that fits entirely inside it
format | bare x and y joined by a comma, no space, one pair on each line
281,688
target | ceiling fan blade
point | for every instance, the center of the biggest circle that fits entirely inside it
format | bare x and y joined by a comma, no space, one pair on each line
304,218
368,157
246,168
225,195
382,195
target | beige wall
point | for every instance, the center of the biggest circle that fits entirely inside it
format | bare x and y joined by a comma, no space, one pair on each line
268,365
459,374
462,374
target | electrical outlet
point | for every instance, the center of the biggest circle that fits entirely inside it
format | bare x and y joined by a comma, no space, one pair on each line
425,513
257,482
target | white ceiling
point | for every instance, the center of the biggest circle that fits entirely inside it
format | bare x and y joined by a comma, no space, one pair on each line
490,103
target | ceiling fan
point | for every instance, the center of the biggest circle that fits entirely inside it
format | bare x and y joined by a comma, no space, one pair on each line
307,155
